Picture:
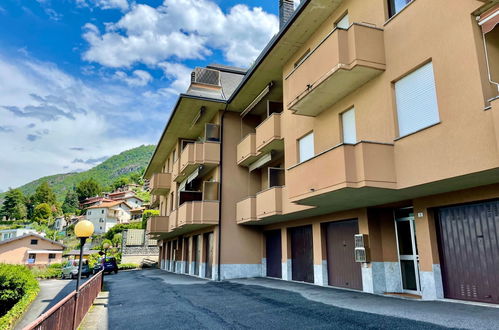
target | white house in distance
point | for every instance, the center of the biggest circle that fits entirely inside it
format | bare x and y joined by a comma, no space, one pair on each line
13,233
128,196
108,214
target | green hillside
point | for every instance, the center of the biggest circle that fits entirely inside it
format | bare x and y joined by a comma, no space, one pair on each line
127,162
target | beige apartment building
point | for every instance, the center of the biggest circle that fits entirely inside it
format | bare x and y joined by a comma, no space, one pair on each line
361,151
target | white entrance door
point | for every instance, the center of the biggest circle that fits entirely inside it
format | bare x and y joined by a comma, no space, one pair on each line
407,250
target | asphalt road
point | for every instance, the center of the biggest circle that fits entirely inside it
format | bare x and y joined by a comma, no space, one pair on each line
51,292
153,299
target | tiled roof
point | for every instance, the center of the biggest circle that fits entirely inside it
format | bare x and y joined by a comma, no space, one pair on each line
34,235
108,204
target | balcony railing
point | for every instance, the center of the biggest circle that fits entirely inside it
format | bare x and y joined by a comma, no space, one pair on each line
365,164
157,225
160,183
246,150
195,154
268,134
269,202
246,210
344,61
172,220
198,213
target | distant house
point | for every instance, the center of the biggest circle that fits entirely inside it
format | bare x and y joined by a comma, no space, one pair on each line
127,196
137,214
13,233
106,215
91,201
60,223
30,249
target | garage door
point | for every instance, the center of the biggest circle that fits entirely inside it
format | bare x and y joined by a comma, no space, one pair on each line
302,263
273,253
469,249
343,271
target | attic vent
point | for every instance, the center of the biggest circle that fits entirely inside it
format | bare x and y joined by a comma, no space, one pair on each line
205,76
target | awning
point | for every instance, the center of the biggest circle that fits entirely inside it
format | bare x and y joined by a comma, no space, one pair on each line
489,19
45,251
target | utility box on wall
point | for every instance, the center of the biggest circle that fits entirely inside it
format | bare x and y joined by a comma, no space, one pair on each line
362,248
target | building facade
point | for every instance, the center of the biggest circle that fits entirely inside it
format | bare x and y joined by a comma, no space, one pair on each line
106,215
30,249
361,150
13,233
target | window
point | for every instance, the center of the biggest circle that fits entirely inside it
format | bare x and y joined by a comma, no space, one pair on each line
102,211
34,242
343,23
31,258
51,255
394,6
306,147
416,100
348,125
89,212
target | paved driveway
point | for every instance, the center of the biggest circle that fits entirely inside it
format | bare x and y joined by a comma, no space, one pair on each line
154,299
51,292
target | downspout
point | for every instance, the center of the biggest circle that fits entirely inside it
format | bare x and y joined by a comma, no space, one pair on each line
219,267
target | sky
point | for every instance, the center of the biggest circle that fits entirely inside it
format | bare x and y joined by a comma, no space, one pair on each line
82,80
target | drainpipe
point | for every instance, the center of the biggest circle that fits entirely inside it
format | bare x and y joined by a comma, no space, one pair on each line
219,276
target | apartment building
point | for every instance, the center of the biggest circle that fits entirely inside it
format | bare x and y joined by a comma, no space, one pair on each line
361,150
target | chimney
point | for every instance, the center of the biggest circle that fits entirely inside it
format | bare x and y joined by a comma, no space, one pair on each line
286,9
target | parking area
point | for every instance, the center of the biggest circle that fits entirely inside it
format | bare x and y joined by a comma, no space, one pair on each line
150,299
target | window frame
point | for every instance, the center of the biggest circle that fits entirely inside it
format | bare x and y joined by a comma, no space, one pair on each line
34,242
300,160
391,9
342,126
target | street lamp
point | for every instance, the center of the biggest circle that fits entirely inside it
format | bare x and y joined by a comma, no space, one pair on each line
83,230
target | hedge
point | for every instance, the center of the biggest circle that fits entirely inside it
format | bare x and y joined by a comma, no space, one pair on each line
18,288
52,271
128,266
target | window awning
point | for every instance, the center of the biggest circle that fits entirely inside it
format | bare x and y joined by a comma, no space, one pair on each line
489,19
45,251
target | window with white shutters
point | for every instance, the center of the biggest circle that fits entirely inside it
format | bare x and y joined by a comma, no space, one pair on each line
306,147
348,125
416,100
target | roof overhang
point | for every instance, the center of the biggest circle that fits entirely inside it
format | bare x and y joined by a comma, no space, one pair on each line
180,126
268,66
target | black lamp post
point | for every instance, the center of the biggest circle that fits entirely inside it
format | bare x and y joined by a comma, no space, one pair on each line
83,230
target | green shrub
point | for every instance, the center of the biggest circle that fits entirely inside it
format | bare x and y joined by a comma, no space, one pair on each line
18,288
51,271
128,266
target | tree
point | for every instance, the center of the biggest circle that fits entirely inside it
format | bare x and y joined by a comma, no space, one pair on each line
71,204
42,213
123,181
117,239
44,194
87,188
13,206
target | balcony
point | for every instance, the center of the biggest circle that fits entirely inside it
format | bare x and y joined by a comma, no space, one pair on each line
363,165
172,221
344,61
268,134
269,202
198,214
246,150
160,183
196,154
157,225
176,169
246,210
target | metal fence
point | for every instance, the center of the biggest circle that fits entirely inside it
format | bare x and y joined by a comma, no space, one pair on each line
70,311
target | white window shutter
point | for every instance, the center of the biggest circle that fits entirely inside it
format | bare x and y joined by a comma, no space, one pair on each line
306,147
416,99
348,123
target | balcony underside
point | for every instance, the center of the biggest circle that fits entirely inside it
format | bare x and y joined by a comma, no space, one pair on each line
191,168
185,229
333,86
352,198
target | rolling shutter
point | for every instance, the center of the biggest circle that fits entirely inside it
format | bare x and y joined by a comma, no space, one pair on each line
416,99
348,123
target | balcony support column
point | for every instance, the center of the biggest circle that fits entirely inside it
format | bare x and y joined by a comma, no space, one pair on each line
286,255
320,260
202,257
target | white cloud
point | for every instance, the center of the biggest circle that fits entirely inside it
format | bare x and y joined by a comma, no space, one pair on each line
178,74
104,4
138,77
181,29
49,118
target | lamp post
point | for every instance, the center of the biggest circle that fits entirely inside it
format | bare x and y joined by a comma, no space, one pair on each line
83,230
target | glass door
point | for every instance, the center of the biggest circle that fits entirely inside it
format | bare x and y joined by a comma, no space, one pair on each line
407,250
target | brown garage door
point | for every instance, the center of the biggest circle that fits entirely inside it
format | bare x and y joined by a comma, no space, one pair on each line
343,271
273,253
208,254
469,251
302,263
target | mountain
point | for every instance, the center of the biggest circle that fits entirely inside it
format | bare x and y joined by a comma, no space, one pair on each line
123,164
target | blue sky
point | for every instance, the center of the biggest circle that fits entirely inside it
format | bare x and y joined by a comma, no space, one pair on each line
81,80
